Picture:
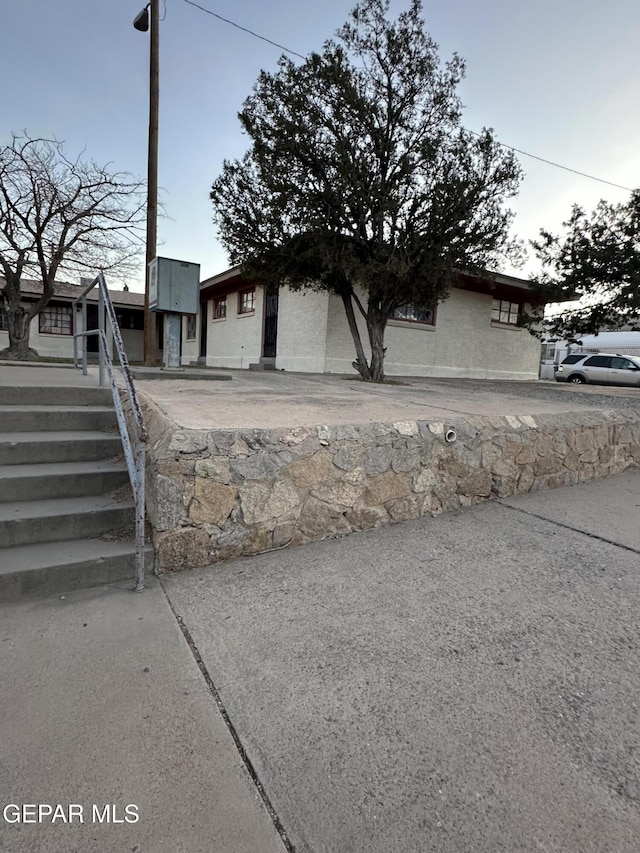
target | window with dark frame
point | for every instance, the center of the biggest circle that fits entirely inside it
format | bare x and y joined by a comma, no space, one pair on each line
55,320
246,301
412,314
191,327
4,319
505,312
220,308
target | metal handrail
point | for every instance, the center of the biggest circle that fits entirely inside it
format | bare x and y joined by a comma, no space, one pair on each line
134,451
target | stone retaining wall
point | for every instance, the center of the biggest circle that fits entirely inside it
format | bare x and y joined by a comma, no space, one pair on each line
215,494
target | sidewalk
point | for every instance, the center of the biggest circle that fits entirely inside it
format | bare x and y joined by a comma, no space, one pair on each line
102,702
270,400
463,683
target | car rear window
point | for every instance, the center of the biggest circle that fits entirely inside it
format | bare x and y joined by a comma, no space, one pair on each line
573,359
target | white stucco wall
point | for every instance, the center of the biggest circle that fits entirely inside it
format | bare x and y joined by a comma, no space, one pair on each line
49,346
235,341
302,331
463,343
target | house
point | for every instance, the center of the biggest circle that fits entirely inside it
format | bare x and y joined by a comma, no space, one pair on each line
473,333
52,330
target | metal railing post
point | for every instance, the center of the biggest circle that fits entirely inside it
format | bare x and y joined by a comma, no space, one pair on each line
102,346
74,330
134,451
84,336
140,515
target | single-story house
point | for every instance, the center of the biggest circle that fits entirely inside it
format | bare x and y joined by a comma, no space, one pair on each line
473,333
52,330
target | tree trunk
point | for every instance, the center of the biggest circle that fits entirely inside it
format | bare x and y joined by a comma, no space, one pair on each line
19,324
360,363
376,327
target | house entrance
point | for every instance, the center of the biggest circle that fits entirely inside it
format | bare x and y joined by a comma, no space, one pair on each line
204,311
270,324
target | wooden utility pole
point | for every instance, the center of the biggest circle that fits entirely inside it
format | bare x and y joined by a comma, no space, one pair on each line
151,353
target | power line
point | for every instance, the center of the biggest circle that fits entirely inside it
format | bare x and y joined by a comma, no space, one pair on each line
501,144
244,29
557,165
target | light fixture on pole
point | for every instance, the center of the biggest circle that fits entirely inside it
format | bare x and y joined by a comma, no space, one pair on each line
142,24
141,21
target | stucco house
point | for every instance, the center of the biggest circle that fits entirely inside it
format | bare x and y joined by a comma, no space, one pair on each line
51,332
473,333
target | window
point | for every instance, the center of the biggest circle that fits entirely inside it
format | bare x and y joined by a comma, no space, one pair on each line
619,363
413,314
598,361
548,351
55,320
191,327
246,301
220,308
503,311
4,319
573,359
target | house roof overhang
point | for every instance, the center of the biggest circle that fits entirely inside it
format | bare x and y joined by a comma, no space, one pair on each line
496,284
500,286
65,292
224,283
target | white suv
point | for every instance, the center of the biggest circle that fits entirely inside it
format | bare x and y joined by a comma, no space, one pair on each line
601,369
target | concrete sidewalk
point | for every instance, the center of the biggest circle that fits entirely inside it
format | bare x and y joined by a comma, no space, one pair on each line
102,702
463,683
272,399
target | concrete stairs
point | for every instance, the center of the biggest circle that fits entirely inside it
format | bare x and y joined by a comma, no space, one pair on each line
66,509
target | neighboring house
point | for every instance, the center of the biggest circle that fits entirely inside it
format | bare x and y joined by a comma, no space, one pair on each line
52,330
473,333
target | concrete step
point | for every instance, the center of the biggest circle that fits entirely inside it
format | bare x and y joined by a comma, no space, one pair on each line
27,522
21,418
47,569
265,363
55,395
19,448
60,480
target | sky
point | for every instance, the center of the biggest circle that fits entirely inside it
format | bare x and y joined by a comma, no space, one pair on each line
555,78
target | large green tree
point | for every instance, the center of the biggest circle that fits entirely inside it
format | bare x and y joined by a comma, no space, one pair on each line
596,261
360,179
59,214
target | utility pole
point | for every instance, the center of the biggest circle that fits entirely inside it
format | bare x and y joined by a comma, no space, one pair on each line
141,23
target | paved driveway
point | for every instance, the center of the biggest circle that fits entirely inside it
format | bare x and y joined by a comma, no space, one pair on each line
464,684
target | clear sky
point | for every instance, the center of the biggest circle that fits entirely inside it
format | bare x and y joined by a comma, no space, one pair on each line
557,78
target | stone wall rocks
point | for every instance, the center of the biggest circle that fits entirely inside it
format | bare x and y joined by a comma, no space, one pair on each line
217,494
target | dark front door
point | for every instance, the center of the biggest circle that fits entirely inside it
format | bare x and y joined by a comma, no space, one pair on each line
204,310
270,324
93,341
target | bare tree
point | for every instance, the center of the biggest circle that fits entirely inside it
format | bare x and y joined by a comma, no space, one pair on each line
60,216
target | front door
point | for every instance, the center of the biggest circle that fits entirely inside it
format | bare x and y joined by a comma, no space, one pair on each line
204,310
270,324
